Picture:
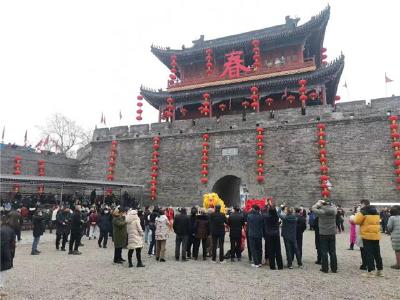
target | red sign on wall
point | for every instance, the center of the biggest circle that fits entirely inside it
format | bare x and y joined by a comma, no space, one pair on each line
234,65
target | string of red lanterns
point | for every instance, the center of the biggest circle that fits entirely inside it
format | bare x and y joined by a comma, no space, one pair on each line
17,171
256,54
205,106
302,91
139,104
323,160
169,112
204,158
260,154
324,56
111,164
154,168
255,97
395,135
172,76
41,172
209,63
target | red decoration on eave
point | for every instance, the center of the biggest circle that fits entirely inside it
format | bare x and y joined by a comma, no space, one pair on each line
139,104
154,168
204,159
323,160
222,107
260,152
170,109
291,98
209,62
256,54
394,134
269,101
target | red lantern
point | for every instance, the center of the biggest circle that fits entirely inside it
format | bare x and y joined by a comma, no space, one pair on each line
256,54
394,126
260,152
139,118
395,135
139,111
260,178
254,96
321,126
260,162
140,97
291,98
324,177
324,169
245,104
397,172
322,152
322,143
397,162
325,193
396,144
222,107
337,98
302,82
269,101
313,95
204,180
393,118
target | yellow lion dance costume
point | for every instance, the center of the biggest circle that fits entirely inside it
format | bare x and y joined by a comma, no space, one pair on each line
210,200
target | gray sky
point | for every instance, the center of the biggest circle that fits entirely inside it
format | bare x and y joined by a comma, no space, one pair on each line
82,58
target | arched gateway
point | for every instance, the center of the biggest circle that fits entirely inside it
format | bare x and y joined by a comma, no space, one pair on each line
228,189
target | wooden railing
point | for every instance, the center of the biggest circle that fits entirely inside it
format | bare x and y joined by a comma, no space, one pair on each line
270,69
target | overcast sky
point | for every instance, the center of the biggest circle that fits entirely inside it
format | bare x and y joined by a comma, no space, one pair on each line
82,58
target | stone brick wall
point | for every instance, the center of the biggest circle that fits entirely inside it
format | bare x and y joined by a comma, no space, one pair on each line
55,165
359,154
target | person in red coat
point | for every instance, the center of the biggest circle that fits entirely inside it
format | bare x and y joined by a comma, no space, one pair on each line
169,212
93,224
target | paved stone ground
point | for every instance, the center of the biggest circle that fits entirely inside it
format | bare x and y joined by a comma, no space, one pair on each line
56,275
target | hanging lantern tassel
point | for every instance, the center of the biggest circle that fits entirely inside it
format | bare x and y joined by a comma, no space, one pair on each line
260,153
204,158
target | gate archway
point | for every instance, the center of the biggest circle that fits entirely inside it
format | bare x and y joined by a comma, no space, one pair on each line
228,189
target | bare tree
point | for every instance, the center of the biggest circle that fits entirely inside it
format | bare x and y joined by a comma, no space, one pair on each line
63,135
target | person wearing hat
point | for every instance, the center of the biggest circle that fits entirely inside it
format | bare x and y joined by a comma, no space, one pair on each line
76,227
326,213
119,234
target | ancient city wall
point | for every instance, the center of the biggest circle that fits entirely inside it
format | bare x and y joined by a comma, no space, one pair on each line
359,153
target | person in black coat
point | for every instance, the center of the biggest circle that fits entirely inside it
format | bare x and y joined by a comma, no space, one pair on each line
63,221
301,226
217,229
317,242
38,230
7,245
76,230
271,231
255,225
152,227
181,229
105,227
236,223
192,231
202,231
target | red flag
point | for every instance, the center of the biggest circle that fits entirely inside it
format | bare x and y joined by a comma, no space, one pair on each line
46,141
39,144
387,79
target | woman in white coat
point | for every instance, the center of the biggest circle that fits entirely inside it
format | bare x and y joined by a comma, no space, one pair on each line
162,228
135,237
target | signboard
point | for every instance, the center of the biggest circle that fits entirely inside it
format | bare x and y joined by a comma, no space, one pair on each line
230,151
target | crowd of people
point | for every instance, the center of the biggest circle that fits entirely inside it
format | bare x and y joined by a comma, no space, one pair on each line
134,229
